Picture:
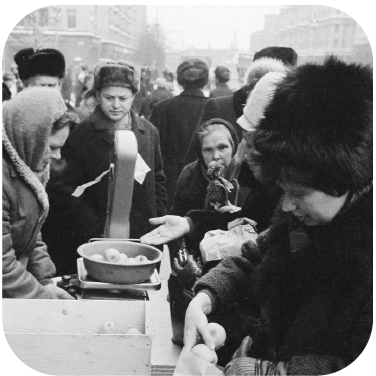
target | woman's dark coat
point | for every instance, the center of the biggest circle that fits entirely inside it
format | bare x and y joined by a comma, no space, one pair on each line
316,303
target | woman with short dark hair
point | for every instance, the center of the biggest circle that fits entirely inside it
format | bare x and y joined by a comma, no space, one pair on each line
310,275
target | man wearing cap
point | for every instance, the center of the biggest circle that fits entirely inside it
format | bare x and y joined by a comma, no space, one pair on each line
176,119
88,156
222,76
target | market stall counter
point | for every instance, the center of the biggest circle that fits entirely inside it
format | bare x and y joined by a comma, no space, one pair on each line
96,335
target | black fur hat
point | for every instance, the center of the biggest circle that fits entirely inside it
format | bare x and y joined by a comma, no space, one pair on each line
193,73
287,55
319,125
46,62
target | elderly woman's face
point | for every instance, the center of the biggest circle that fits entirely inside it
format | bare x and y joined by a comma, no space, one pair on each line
310,206
217,146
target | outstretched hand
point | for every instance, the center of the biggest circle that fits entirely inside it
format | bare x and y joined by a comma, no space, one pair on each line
171,227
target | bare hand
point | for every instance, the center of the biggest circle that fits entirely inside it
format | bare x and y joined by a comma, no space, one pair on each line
196,322
171,227
57,293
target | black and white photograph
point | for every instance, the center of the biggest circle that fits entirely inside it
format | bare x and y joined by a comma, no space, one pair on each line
187,189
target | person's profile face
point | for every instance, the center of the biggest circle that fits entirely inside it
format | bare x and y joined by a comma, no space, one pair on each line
310,206
56,141
115,102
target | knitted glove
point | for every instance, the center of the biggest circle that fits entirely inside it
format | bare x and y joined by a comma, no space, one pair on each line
242,366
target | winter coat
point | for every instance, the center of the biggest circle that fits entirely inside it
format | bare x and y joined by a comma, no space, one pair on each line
88,155
221,90
26,263
176,119
28,119
155,96
190,190
315,304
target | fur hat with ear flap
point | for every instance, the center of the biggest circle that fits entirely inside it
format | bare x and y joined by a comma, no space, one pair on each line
117,73
318,126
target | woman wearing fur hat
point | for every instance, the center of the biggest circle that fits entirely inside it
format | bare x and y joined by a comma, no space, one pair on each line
311,277
88,153
35,127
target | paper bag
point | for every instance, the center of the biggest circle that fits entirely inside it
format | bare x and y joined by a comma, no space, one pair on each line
190,364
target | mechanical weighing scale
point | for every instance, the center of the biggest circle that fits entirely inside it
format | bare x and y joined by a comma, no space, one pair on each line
120,191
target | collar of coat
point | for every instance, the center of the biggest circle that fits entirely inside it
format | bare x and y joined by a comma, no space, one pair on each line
26,173
101,122
192,92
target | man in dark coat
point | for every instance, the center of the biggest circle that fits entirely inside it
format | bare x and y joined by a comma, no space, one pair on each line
88,155
176,119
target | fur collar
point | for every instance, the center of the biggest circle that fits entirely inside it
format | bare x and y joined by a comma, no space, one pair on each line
27,174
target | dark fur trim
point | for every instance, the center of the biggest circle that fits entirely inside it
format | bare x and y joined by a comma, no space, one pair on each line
47,62
320,119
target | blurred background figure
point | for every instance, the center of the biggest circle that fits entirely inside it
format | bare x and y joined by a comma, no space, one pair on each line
88,103
222,76
159,93
176,119
9,85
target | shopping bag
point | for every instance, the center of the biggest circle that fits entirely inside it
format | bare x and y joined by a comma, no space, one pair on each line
218,244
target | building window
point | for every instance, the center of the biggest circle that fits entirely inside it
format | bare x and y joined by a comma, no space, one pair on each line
72,18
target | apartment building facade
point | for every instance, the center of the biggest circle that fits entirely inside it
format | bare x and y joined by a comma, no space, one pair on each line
86,33
315,32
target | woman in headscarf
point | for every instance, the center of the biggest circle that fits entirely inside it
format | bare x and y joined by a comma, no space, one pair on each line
35,127
217,141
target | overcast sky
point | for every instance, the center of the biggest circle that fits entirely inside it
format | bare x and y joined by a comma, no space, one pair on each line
216,26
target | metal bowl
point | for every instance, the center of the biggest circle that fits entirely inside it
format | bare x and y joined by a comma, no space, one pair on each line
120,274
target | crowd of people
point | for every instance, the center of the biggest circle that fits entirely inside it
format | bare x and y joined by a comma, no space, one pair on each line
290,150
